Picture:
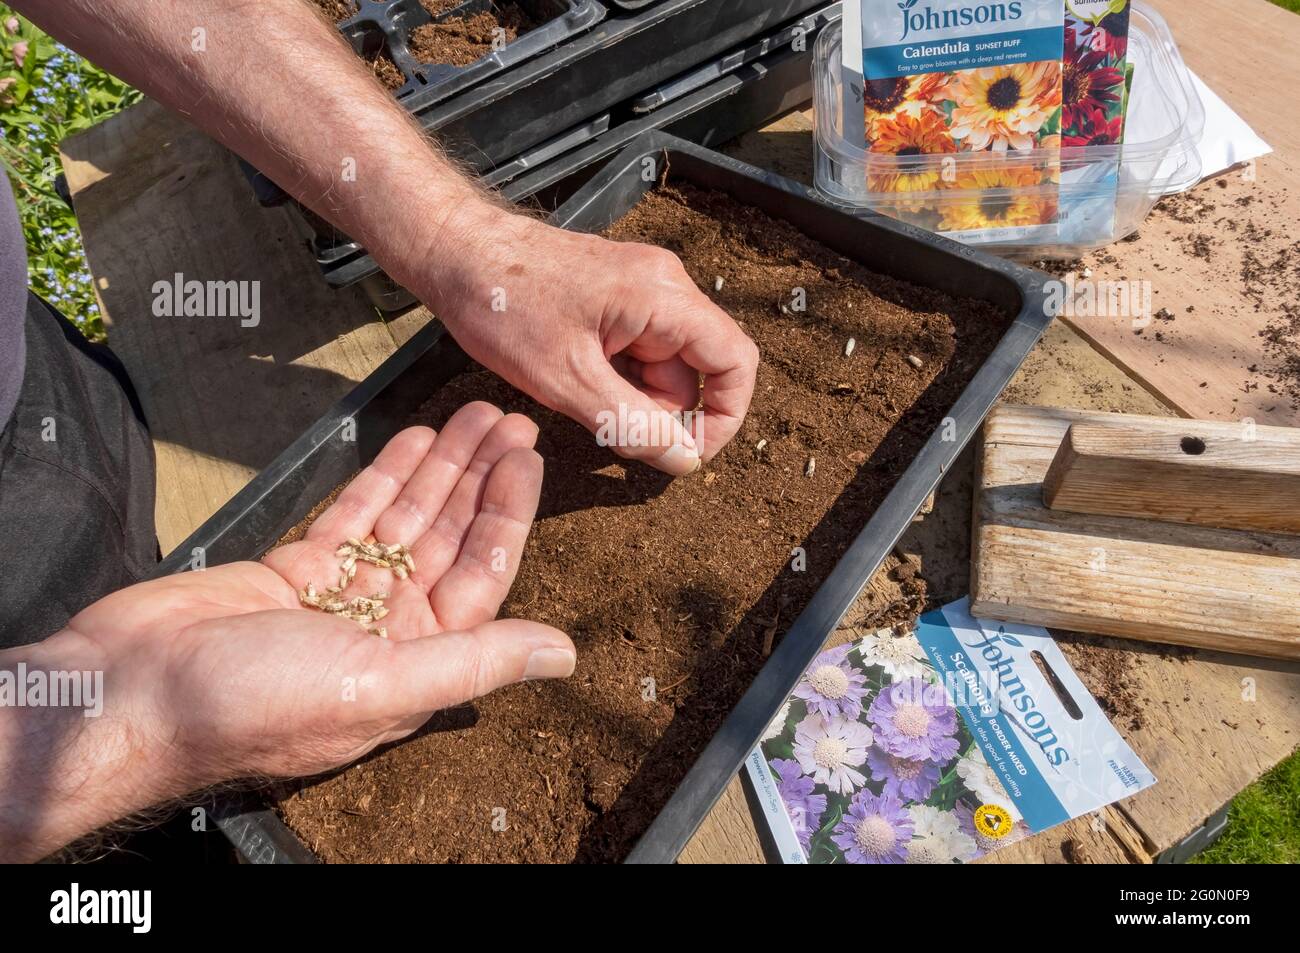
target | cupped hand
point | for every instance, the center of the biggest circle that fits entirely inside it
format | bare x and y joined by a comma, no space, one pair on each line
229,675
603,332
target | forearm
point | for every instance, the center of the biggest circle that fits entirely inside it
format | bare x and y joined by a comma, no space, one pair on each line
70,765
275,83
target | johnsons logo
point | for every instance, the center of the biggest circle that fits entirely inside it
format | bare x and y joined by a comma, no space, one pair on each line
929,19
1017,693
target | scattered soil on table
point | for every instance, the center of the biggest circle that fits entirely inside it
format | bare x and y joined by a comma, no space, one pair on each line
386,72
460,41
336,10
1108,670
669,589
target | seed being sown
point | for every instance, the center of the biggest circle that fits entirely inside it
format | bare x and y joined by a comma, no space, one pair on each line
718,282
915,361
849,346
811,467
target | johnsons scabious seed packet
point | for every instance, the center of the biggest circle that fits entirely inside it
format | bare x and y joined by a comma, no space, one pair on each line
936,746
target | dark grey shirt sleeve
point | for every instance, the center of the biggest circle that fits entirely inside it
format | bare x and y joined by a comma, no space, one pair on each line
13,302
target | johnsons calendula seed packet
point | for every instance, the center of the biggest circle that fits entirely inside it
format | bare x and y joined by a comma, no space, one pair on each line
946,78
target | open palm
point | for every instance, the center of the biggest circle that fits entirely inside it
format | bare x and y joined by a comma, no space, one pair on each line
242,679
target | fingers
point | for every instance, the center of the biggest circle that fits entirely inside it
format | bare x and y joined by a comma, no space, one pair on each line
687,334
631,423
473,588
437,550
421,676
672,384
420,501
726,356
374,489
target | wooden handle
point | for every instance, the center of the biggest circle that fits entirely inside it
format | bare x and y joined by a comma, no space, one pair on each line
1227,475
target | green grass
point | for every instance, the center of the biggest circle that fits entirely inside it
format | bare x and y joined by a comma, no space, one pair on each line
47,93
1263,822
1292,5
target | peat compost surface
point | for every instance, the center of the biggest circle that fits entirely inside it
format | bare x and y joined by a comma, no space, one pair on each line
460,41
678,581
336,10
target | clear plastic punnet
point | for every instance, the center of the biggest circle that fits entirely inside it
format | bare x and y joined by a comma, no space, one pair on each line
1096,194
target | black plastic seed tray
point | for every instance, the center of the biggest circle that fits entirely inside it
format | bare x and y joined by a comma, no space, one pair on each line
744,99
517,109
551,149
323,457
698,78
385,27
617,60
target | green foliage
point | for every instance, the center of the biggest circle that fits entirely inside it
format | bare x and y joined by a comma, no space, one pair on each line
47,93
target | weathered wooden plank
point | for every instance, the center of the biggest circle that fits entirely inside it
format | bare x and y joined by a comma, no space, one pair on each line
1229,590
1203,472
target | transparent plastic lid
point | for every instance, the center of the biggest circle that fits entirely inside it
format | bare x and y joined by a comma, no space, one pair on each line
1095,194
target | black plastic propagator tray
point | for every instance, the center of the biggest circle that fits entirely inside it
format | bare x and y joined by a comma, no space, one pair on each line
731,101
384,28
620,58
324,457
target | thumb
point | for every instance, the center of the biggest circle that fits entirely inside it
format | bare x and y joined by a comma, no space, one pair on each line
633,425
438,671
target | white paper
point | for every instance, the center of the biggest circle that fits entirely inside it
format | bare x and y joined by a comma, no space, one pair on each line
1228,140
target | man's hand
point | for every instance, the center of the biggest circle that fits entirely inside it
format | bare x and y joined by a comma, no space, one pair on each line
588,326
223,674
597,330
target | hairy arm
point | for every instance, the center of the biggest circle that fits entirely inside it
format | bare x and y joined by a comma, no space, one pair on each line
274,82
548,310
63,774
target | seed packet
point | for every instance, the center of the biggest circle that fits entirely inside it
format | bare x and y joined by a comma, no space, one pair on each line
937,746
939,79
1096,80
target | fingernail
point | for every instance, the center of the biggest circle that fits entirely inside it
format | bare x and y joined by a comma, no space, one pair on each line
679,460
549,663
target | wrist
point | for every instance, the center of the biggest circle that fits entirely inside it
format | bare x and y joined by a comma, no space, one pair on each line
78,745
454,251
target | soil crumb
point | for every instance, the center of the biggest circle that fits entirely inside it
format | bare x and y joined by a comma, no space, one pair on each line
386,72
336,11
671,590
459,41
439,7
1108,670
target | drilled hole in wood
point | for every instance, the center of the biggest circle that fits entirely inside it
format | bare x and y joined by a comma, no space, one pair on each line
1071,707
1193,446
